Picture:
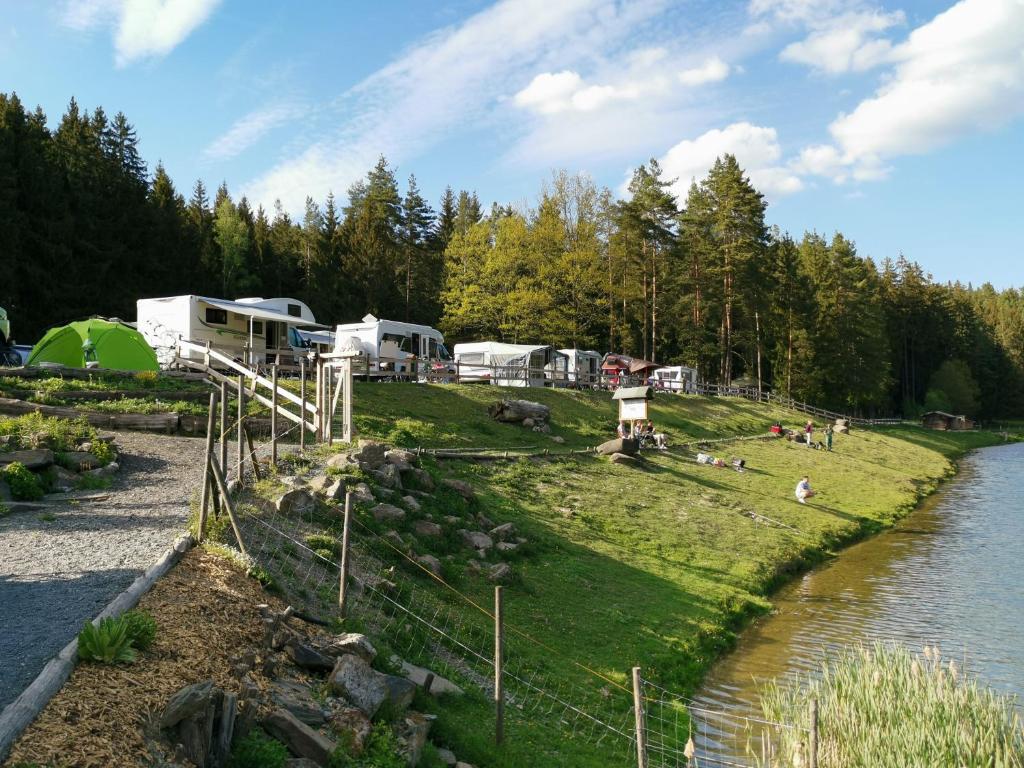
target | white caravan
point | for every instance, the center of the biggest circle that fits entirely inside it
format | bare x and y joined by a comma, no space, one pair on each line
510,365
253,330
675,378
394,348
584,367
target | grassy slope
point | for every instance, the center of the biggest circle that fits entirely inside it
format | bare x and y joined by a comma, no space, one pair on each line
656,568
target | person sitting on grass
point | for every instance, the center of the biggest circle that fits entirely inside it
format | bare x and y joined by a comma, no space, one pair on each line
803,490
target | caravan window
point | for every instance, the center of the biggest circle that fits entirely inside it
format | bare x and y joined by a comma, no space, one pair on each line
216,316
295,310
257,327
401,341
437,351
471,358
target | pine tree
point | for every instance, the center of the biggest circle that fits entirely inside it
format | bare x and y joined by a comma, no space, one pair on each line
419,269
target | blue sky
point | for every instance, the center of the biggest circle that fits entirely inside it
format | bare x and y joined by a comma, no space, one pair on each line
899,124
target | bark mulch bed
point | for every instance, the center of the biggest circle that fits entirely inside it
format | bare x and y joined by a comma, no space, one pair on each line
205,610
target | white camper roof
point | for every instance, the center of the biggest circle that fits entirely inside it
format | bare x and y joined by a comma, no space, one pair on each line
581,353
498,348
280,305
369,322
249,308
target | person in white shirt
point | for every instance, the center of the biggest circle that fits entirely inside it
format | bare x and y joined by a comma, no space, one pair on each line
803,490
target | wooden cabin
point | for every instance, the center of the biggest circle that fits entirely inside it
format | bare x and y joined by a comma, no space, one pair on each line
946,421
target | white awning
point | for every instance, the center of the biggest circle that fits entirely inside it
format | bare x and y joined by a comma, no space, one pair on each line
259,313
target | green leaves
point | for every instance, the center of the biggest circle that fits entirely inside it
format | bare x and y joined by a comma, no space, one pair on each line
116,640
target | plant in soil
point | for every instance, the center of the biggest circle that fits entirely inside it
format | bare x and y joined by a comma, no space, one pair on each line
141,629
24,485
108,643
257,750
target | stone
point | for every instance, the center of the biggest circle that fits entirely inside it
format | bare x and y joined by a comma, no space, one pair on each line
361,493
400,693
452,519
388,476
485,521
473,566
370,453
297,501
504,532
396,539
387,513
439,686
296,698
461,764
86,446
105,471
500,572
624,445
446,756
330,487
464,489
419,478
64,480
5,491
300,762
476,539
515,411
39,458
191,739
411,734
341,461
187,702
364,687
529,423
307,657
506,546
79,461
353,726
621,458
426,528
400,456
412,503
558,439
221,747
302,740
431,563
353,644
384,494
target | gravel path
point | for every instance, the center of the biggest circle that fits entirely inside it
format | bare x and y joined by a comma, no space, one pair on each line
54,576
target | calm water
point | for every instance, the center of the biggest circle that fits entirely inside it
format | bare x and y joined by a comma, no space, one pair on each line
952,574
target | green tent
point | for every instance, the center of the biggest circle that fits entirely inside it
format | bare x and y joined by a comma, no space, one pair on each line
105,343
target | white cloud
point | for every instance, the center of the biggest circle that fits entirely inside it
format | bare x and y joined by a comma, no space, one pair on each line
550,92
250,129
711,71
845,43
756,149
143,28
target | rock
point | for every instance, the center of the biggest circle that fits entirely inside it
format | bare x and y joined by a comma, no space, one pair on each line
370,453
221,747
352,644
85,446
485,521
388,476
438,686
307,657
557,439
329,486
411,734
297,501
542,428
464,489
400,456
361,493
364,687
106,437
353,726
625,445
233,485
300,762
35,460
506,546
396,539
296,698
431,563
504,532
192,741
293,481
419,478
476,539
426,528
384,494
452,519
461,764
105,471
446,756
412,503
529,423
515,411
187,702
79,461
299,737
473,566
341,461
621,458
5,491
387,513
64,480
500,572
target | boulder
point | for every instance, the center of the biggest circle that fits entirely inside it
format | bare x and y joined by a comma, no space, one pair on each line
351,644
387,513
452,519
299,737
558,439
330,487
396,539
485,521
361,493
37,459
388,476
412,503
78,461
297,501
400,693
514,411
105,471
353,726
506,546
307,657
624,445
476,539
187,702
426,528
64,480
461,764
400,456
621,458
418,478
411,734
501,572
431,563
529,423
364,687
504,532
296,698
446,756
461,487
5,491
341,461
438,685
370,454
384,494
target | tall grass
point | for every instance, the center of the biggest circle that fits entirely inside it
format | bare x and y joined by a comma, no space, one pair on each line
884,706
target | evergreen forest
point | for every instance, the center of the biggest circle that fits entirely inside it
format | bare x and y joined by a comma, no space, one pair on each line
87,229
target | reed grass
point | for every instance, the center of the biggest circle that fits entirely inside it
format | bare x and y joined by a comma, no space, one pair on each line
885,706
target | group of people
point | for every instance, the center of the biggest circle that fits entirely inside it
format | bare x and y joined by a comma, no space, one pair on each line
809,436
644,433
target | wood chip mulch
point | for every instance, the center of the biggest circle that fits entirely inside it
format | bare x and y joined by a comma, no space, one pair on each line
205,610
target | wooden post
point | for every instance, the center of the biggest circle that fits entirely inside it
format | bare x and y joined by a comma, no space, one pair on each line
273,421
252,454
329,406
638,715
224,423
241,426
499,692
228,506
211,422
302,408
343,576
206,356
813,745
346,408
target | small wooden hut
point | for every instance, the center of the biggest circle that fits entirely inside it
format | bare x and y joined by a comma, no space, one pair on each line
945,421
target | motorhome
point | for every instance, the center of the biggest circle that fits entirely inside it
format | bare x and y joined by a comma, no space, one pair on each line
676,378
255,331
510,365
584,367
395,348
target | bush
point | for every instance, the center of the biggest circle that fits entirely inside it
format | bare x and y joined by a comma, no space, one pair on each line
34,430
257,750
108,643
319,541
141,629
25,486
380,751
102,451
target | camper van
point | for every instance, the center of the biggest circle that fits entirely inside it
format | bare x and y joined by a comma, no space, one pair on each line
510,365
675,378
394,348
253,330
584,369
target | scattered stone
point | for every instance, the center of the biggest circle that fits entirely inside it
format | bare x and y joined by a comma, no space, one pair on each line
352,644
621,458
105,471
64,480
515,411
399,456
188,701
395,538
412,503
485,521
461,764
476,539
341,461
400,693
426,528
420,478
624,445
411,735
329,486
431,563
506,546
452,519
307,657
353,678
354,727
37,459
474,567
464,489
438,686
387,513
297,501
529,423
384,494
542,428
361,493
297,699
299,737
558,439
500,572
504,532
388,476
371,454
446,756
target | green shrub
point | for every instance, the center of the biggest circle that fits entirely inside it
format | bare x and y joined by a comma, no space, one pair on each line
34,430
24,485
107,643
141,629
103,451
380,751
257,750
319,541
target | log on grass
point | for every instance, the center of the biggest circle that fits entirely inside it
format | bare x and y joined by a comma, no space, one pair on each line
515,411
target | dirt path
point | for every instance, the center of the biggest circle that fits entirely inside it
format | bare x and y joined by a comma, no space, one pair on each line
55,575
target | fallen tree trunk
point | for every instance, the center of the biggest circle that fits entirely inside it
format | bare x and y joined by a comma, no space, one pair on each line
514,411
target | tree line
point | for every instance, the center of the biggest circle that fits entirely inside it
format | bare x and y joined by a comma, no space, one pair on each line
86,230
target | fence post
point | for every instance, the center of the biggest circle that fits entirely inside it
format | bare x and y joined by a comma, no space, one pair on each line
207,479
638,715
224,423
813,747
343,576
206,356
346,409
273,421
499,691
228,506
241,426
302,408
